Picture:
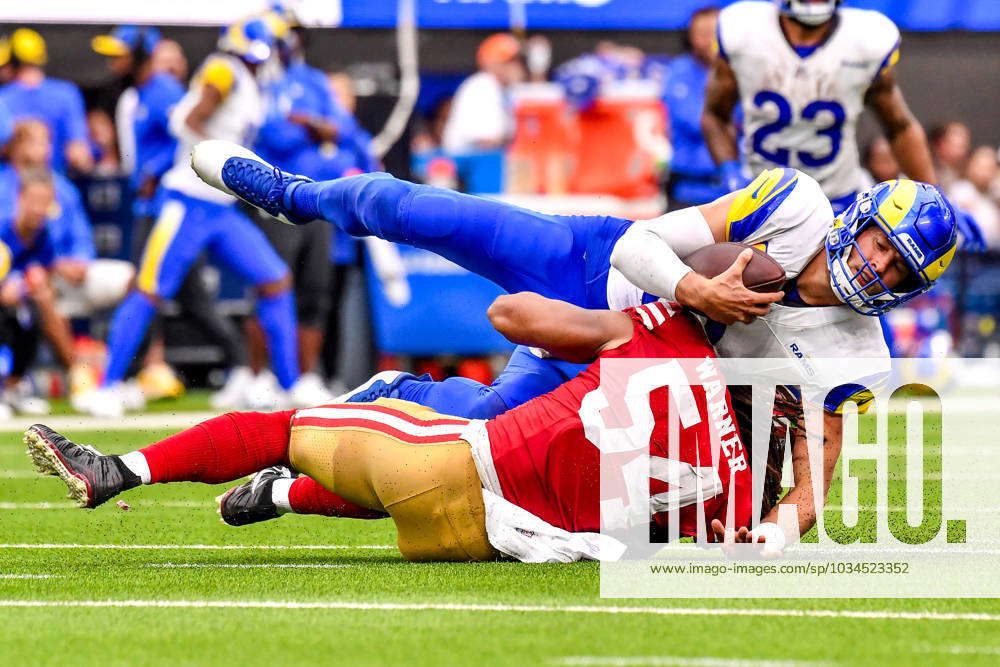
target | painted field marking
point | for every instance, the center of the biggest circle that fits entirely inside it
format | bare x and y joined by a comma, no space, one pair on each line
146,504
252,565
29,576
210,547
150,421
676,661
579,609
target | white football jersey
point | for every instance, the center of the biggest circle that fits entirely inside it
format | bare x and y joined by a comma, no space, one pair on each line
802,112
784,213
237,119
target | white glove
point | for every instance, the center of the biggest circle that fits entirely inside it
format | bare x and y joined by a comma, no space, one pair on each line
774,537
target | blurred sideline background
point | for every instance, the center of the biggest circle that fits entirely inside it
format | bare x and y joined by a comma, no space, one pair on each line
593,136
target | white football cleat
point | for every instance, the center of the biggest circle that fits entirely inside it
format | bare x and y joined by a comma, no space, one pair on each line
265,394
239,172
308,391
233,394
104,402
21,397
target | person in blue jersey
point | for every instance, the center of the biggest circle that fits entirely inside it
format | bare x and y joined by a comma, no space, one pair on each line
308,128
223,101
57,103
692,171
84,284
147,150
842,272
28,254
299,129
31,148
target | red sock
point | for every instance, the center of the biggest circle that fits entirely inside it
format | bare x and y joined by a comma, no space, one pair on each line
221,449
307,496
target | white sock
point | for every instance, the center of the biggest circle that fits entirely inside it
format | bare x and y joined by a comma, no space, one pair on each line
279,494
136,462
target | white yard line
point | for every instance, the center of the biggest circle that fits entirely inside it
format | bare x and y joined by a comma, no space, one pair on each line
148,421
29,576
958,650
675,661
387,606
252,565
64,505
209,547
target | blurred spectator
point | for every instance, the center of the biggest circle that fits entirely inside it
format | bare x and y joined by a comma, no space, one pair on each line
584,77
538,57
880,162
692,170
57,103
104,144
137,57
481,118
84,285
6,124
6,66
972,193
950,145
141,113
168,56
429,162
27,299
67,222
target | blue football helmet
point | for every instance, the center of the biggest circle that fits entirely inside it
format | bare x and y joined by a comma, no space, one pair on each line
252,40
809,13
920,224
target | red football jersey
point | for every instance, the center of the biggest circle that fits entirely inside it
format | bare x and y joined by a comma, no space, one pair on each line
547,462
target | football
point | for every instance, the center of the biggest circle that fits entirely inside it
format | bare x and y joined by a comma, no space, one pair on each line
762,274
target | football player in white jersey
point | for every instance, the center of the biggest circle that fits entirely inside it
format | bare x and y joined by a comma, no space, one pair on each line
223,102
803,71
889,246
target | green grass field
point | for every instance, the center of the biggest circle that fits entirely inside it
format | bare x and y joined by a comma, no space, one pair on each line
336,592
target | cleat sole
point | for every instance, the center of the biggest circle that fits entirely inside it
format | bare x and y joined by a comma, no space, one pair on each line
48,462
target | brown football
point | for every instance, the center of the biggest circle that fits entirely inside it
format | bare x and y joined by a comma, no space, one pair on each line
762,274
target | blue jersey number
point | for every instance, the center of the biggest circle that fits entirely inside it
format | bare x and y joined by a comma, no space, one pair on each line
785,117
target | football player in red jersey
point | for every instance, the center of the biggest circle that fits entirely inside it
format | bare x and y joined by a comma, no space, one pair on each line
525,484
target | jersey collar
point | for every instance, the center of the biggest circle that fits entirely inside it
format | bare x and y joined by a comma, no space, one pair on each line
823,42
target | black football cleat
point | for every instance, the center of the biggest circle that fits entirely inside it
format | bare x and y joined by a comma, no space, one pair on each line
91,477
251,502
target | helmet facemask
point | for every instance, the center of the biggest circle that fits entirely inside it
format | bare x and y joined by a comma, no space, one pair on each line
863,289
811,14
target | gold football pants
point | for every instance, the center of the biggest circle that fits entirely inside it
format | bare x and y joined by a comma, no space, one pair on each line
404,459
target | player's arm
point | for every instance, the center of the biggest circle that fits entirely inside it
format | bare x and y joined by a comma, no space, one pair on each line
217,80
77,149
904,133
801,494
566,331
649,253
769,532
721,95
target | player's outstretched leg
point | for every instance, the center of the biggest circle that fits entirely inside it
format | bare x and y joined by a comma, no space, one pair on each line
221,449
516,248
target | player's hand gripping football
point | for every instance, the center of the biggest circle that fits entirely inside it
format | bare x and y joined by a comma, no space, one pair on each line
725,298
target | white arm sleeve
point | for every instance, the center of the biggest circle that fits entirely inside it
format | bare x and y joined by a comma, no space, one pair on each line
649,252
